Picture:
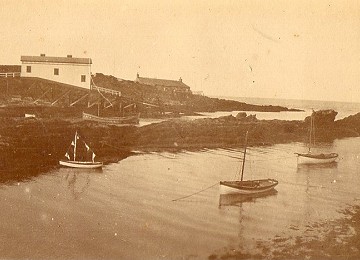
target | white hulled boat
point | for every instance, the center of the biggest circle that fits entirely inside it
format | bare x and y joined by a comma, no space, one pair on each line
247,186
315,158
75,163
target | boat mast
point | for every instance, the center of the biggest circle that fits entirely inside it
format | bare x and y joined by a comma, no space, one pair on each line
243,164
313,126
312,130
76,135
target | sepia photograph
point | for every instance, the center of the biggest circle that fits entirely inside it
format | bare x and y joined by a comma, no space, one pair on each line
207,130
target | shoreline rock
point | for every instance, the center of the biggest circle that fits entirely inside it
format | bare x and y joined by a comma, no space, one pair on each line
335,239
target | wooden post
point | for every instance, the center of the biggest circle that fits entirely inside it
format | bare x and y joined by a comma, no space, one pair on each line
7,87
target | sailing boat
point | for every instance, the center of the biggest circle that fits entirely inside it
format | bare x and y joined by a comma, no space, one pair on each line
314,158
248,186
74,146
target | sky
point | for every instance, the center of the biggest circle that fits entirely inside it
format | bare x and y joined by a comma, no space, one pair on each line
269,49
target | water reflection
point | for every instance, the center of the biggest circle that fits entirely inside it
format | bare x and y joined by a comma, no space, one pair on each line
78,180
305,168
238,199
16,170
80,214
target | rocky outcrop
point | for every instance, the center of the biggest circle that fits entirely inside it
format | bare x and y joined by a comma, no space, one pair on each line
322,117
241,115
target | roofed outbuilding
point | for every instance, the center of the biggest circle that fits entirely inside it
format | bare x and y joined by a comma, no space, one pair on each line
164,84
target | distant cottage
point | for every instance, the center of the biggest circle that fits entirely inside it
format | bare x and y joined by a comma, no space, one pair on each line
175,86
68,70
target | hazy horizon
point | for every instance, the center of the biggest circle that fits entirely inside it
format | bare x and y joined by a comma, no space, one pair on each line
304,50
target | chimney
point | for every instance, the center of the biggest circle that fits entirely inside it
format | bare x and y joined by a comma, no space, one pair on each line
69,56
180,79
42,55
137,75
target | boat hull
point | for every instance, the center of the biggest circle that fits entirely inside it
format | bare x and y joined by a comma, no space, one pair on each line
129,120
82,165
316,158
247,187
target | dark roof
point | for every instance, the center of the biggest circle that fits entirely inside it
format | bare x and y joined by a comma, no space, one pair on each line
56,59
162,82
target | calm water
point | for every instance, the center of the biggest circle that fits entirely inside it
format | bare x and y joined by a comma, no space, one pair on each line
344,109
127,210
141,208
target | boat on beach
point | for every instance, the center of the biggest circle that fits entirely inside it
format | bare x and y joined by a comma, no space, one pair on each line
315,158
73,152
126,120
247,186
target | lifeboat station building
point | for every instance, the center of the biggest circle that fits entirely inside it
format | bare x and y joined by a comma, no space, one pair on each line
67,70
174,86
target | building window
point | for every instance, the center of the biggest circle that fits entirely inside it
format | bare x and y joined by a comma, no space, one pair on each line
56,71
28,69
83,78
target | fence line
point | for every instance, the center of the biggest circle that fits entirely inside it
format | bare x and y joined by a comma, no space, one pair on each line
10,74
106,90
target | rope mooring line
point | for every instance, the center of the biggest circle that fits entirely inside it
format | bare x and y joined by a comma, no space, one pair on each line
187,196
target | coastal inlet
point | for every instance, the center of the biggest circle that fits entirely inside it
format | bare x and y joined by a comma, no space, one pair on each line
131,209
146,201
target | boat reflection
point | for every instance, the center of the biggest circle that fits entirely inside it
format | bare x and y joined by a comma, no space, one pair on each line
67,170
78,180
238,199
311,167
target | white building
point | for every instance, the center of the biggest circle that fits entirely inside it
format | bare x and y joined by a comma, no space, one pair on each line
68,70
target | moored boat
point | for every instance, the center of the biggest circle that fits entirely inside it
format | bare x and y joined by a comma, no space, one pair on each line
73,152
309,158
315,158
247,186
83,165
